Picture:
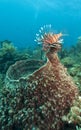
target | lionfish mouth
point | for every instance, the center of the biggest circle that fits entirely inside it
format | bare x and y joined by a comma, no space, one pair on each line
56,46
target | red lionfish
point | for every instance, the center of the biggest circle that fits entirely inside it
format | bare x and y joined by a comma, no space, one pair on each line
49,39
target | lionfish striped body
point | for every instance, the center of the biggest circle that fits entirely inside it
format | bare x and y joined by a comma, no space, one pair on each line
49,39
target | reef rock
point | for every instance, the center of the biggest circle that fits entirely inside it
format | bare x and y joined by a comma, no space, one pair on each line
40,99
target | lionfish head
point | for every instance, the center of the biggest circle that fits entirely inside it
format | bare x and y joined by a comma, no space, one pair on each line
48,39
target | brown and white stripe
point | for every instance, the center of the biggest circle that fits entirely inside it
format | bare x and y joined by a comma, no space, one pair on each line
50,38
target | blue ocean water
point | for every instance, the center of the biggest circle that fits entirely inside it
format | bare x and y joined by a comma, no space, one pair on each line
20,20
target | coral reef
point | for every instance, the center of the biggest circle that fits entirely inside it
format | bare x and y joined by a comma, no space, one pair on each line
72,60
9,55
39,100
1,81
7,48
78,128
38,53
68,61
21,69
7,52
74,115
75,72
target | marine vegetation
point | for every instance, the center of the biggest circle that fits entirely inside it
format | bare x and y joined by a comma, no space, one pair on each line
9,54
72,61
39,100
7,48
78,128
1,81
74,115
